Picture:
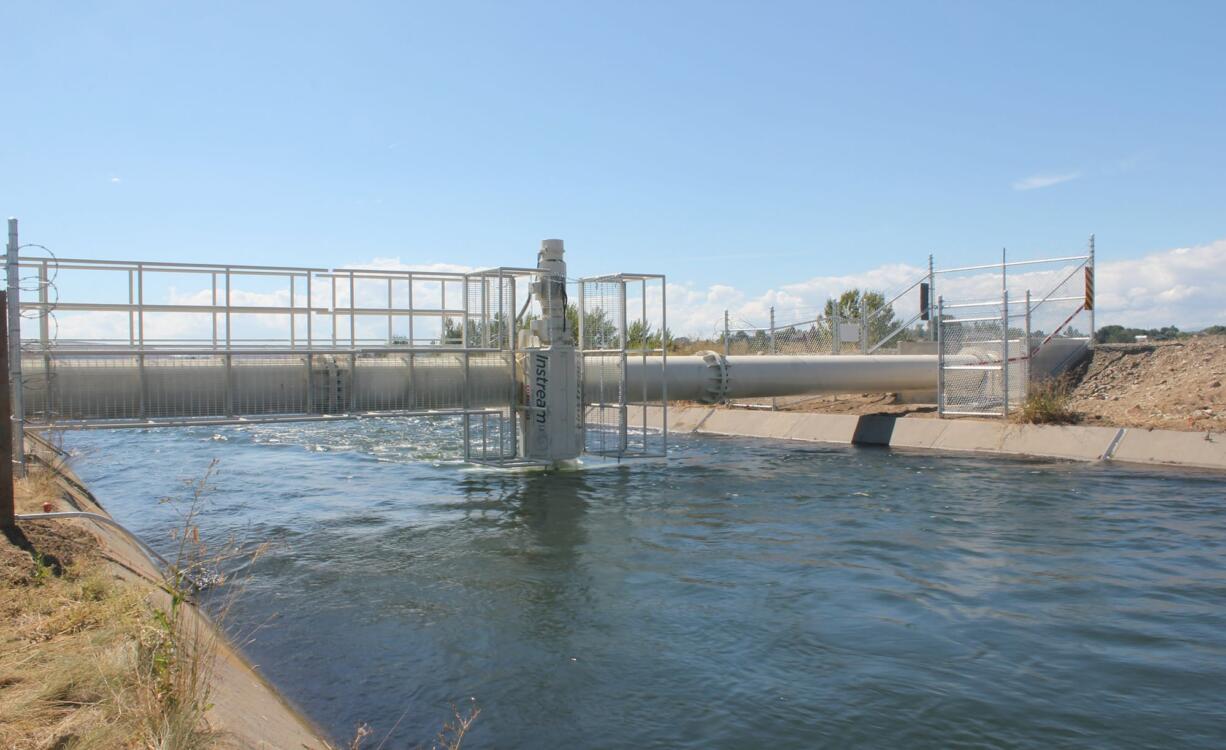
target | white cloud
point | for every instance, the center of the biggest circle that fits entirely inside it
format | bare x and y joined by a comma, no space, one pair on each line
1185,287
115,180
1035,182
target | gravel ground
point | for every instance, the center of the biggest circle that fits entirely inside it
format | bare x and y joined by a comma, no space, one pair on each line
1175,385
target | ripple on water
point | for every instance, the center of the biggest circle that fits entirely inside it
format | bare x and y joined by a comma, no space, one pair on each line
746,594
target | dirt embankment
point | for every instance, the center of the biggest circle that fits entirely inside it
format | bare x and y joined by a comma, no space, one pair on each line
1175,385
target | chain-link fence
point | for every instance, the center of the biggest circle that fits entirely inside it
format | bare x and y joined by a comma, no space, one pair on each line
1007,336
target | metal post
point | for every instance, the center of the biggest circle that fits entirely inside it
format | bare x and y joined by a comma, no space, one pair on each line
44,327
1094,306
213,314
836,334
353,316
132,309
44,335
293,317
772,331
727,333
513,330
932,290
1004,281
466,355
1026,357
140,339
663,365
1004,352
863,324
621,385
229,355
7,519
411,317
309,314
17,420
940,359
773,350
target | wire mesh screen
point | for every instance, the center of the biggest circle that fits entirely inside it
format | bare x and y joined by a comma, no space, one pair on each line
982,359
817,336
490,311
490,437
623,339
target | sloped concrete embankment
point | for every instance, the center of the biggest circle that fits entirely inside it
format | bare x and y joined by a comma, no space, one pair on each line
245,708
1078,443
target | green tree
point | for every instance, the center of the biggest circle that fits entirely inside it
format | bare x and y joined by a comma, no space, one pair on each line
639,335
881,318
598,329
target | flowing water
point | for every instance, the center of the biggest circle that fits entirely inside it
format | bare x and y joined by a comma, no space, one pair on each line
745,594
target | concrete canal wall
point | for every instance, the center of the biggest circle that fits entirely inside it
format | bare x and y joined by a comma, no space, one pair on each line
1074,442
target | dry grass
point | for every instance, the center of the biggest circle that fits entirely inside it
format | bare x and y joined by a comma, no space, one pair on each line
450,737
88,660
1048,402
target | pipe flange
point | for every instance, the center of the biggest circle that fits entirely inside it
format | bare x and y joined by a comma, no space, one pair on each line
716,387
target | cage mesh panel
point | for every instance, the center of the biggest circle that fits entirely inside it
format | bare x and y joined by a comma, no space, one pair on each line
603,323
618,420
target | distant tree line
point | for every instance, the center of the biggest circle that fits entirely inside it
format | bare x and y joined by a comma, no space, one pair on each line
1123,335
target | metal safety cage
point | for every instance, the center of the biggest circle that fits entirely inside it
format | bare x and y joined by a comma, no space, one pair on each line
623,335
491,327
118,343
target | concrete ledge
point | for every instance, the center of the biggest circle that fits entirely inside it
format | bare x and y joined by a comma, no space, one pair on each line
1172,448
1077,443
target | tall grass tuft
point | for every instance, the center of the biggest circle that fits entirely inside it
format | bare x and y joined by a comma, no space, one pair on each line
1048,402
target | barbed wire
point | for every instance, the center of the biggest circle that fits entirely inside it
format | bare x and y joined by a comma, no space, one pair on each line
43,287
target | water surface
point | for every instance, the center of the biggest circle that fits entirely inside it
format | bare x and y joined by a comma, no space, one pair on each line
745,594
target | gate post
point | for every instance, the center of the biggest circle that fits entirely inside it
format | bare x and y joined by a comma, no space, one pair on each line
1093,301
1026,356
1004,352
940,359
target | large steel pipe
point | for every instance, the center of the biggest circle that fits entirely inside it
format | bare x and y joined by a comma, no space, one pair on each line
713,378
114,388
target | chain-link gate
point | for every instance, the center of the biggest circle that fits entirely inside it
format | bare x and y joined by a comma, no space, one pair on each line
991,350
981,358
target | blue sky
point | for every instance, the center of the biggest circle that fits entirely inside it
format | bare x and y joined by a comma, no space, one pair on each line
746,145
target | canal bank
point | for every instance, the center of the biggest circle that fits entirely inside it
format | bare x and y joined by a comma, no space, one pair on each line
240,708
1197,450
